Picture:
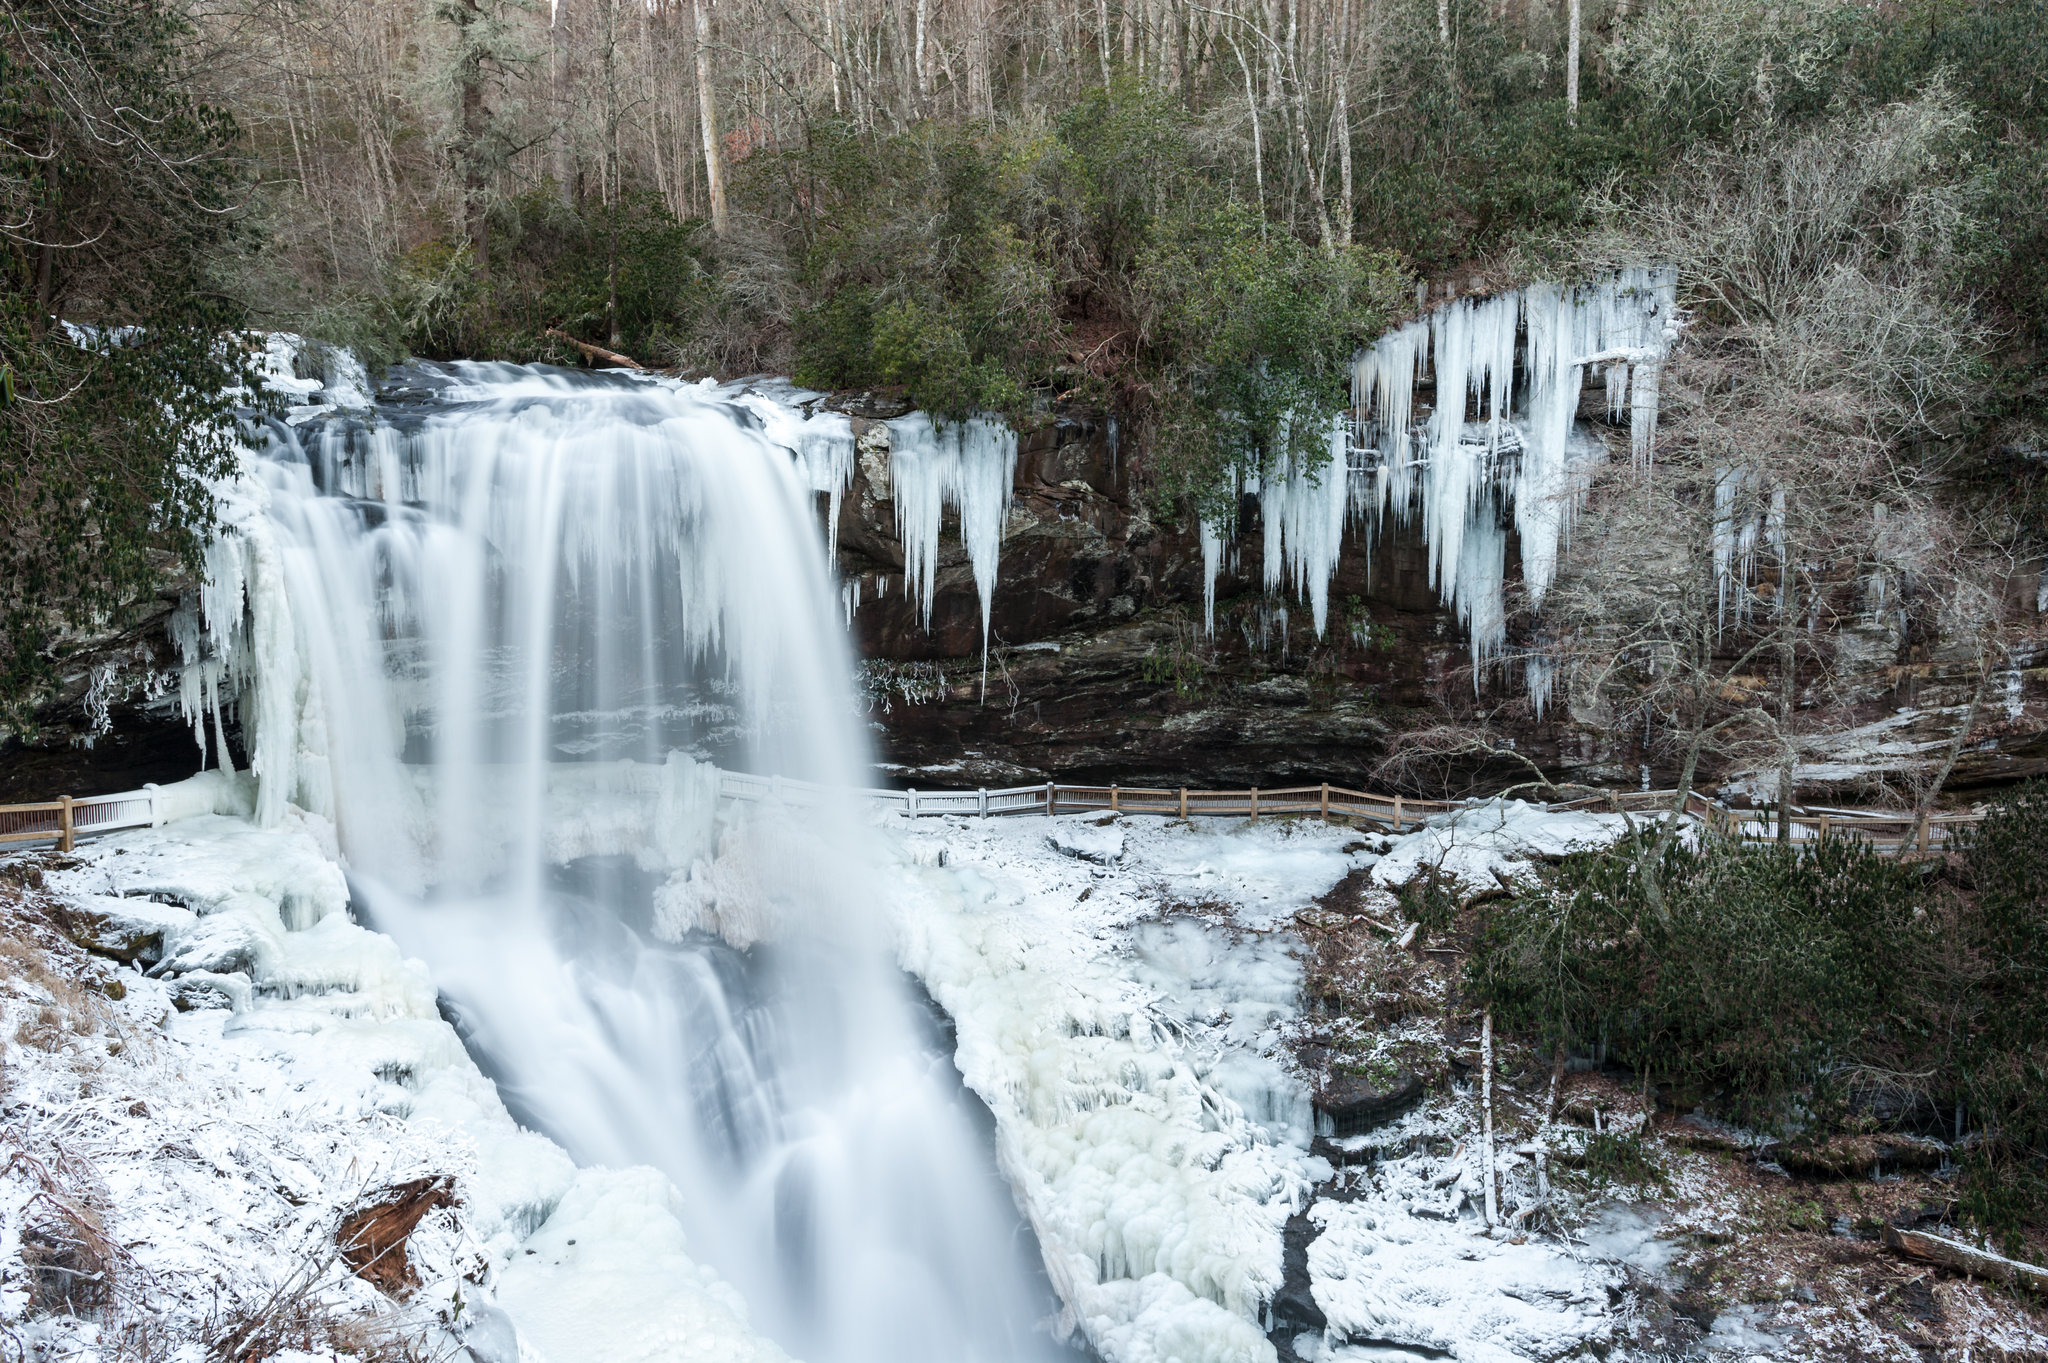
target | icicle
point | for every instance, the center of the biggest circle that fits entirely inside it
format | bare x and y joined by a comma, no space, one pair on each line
1541,675
971,464
1212,563
1304,505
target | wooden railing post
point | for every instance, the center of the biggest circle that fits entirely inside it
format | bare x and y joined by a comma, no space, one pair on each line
1183,802
64,834
1112,797
1048,799
1397,813
984,802
1326,799
1255,802
1823,828
912,802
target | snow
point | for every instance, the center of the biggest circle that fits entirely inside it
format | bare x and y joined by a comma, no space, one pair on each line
1381,1273
229,1139
1475,845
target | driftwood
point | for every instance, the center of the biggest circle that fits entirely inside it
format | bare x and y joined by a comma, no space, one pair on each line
1978,1263
594,352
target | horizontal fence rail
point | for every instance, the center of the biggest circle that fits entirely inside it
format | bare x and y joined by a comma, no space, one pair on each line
1887,831
63,821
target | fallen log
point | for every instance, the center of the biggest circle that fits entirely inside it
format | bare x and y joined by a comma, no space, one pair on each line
594,352
1855,1156
1977,1263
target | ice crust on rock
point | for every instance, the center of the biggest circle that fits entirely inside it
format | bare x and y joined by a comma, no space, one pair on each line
1152,1120
334,1053
1472,846
1382,1274
1146,1115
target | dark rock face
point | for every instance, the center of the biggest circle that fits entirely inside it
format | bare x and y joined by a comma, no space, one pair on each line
111,722
1100,669
1099,666
1356,1103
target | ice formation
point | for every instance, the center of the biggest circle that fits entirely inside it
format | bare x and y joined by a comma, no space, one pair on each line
969,465
1521,464
1145,1115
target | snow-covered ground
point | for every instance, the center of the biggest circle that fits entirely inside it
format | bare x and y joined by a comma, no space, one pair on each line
1125,992
219,1143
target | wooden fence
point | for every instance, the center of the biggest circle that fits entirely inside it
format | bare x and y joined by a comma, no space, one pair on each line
65,820
1889,831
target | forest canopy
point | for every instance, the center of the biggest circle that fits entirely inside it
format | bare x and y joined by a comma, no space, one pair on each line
1187,215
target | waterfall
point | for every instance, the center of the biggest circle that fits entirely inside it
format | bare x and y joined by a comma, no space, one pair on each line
497,627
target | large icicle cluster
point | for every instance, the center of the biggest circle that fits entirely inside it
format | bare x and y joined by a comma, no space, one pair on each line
968,464
1520,462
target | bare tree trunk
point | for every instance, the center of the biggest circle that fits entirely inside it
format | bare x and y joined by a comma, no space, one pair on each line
611,172
475,185
1345,205
707,118
562,154
1788,687
924,70
1924,807
1251,100
1571,67
1443,22
1102,37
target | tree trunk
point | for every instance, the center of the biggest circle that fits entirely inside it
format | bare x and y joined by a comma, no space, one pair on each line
1571,67
611,172
1345,208
707,119
1924,808
475,185
1788,686
561,151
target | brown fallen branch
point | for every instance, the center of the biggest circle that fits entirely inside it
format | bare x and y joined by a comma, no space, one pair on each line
594,352
372,1238
1977,1263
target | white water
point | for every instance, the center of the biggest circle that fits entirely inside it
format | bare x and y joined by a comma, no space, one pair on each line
493,632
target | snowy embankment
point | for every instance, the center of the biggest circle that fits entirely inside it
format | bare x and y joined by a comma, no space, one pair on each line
210,1130
1123,990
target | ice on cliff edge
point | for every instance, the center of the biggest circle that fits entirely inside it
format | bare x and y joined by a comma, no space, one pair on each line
328,1017
1121,989
1150,1132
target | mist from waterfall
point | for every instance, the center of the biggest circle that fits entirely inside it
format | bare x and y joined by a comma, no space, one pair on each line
496,630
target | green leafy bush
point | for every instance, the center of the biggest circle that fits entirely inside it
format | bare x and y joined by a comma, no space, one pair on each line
1766,975
1788,987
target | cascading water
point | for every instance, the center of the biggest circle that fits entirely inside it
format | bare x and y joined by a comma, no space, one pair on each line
494,630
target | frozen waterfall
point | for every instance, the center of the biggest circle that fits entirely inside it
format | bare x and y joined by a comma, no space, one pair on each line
497,626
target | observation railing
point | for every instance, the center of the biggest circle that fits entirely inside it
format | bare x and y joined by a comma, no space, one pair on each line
64,820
